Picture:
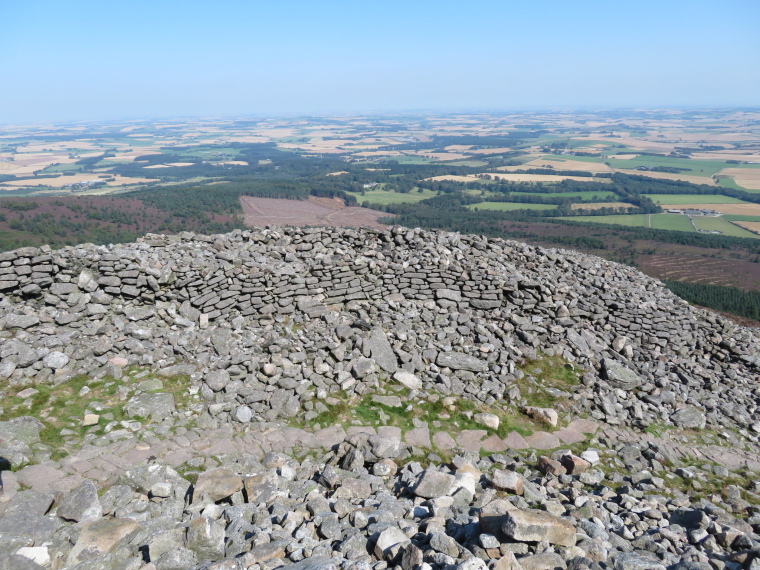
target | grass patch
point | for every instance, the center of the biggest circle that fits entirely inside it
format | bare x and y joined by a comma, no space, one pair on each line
546,381
62,408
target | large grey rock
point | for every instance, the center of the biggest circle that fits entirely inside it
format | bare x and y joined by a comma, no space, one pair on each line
217,484
101,537
619,375
689,417
82,504
460,361
536,526
13,321
408,379
55,360
18,562
24,515
381,351
217,380
154,406
205,537
23,430
433,484
510,481
143,478
389,543
637,560
178,558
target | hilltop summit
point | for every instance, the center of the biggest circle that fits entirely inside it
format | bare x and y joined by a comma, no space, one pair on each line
368,398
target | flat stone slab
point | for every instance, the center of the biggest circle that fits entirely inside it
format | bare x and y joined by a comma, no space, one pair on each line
418,437
39,477
493,444
443,440
569,436
583,426
469,439
389,432
543,440
515,441
351,430
330,436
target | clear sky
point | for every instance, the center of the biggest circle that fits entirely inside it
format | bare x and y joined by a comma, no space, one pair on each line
95,60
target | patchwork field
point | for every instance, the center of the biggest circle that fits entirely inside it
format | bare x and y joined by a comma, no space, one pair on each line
754,227
694,179
746,177
740,209
548,178
691,199
723,226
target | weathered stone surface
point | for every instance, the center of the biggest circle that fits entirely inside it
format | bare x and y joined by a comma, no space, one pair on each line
689,417
381,351
389,543
619,375
536,526
433,484
155,406
543,415
636,561
82,504
55,360
507,481
20,321
542,440
22,430
101,537
217,380
205,538
550,466
408,379
460,361
488,420
217,484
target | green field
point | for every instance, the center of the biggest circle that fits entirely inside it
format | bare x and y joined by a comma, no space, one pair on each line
692,199
635,220
62,168
508,206
729,182
585,196
738,218
384,197
723,226
675,222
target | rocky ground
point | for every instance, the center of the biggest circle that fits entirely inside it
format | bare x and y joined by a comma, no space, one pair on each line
367,399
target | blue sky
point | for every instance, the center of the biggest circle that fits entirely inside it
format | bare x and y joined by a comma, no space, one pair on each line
86,60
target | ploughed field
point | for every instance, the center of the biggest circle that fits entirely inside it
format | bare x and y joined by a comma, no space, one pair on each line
260,212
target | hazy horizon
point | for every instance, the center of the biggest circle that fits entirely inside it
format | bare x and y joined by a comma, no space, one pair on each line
86,61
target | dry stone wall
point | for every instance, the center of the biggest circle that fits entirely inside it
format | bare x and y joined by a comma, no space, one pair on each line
456,310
